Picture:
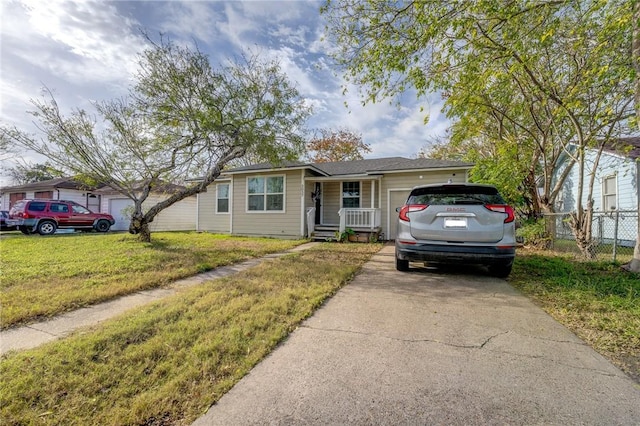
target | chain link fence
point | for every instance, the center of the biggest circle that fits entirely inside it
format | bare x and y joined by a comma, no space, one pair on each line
614,234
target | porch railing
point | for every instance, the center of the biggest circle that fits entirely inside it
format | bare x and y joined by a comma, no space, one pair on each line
311,224
359,218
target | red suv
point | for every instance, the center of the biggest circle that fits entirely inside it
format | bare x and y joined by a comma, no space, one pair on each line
46,216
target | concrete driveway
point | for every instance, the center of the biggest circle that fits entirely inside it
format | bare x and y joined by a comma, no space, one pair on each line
430,348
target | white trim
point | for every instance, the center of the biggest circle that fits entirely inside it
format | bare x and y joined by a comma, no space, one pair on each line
303,212
284,194
198,212
232,183
373,194
275,169
217,211
342,194
432,169
604,196
342,178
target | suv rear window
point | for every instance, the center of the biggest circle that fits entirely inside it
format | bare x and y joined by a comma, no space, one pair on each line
455,194
37,206
19,205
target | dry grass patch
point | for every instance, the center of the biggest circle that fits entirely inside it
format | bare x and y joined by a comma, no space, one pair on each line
598,301
45,276
168,362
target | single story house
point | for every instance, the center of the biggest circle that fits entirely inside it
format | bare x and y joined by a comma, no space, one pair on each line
65,188
615,193
297,199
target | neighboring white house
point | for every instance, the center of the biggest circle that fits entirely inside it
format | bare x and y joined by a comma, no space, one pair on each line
181,216
66,188
301,199
615,192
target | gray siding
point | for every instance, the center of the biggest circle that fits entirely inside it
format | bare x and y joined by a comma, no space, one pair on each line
286,224
179,217
208,219
331,193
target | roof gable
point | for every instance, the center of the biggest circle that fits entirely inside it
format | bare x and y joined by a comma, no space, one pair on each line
57,183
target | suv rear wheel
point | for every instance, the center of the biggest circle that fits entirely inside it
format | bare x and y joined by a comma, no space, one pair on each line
402,265
501,270
46,227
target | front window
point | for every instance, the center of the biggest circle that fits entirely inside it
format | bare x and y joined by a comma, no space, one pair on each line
265,193
351,194
222,198
609,193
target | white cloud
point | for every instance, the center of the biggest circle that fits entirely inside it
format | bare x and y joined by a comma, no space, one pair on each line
90,31
86,50
189,20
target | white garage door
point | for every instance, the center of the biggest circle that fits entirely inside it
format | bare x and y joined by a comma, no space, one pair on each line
397,198
120,209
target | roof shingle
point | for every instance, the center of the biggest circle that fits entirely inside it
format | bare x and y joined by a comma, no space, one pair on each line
359,167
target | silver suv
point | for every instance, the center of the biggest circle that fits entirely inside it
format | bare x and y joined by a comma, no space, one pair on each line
456,223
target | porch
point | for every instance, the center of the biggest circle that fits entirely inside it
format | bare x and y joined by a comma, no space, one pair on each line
356,224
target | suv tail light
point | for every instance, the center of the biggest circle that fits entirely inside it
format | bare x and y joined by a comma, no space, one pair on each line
502,209
408,208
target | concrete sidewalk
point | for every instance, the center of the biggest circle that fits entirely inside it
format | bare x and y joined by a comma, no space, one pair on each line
33,335
424,348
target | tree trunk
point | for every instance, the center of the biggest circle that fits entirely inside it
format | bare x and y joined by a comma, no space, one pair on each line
140,226
140,221
145,234
550,224
581,225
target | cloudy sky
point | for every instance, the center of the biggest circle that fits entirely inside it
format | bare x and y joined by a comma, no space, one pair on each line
86,51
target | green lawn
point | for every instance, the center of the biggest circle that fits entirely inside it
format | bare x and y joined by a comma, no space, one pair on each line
596,300
44,276
167,362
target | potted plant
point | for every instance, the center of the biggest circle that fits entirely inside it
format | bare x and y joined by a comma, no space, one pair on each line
347,235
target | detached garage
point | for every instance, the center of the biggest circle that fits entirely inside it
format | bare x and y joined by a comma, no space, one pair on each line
179,217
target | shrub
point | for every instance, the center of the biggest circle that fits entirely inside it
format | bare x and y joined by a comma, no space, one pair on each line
534,233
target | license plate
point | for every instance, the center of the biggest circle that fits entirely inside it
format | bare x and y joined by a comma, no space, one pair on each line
455,222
